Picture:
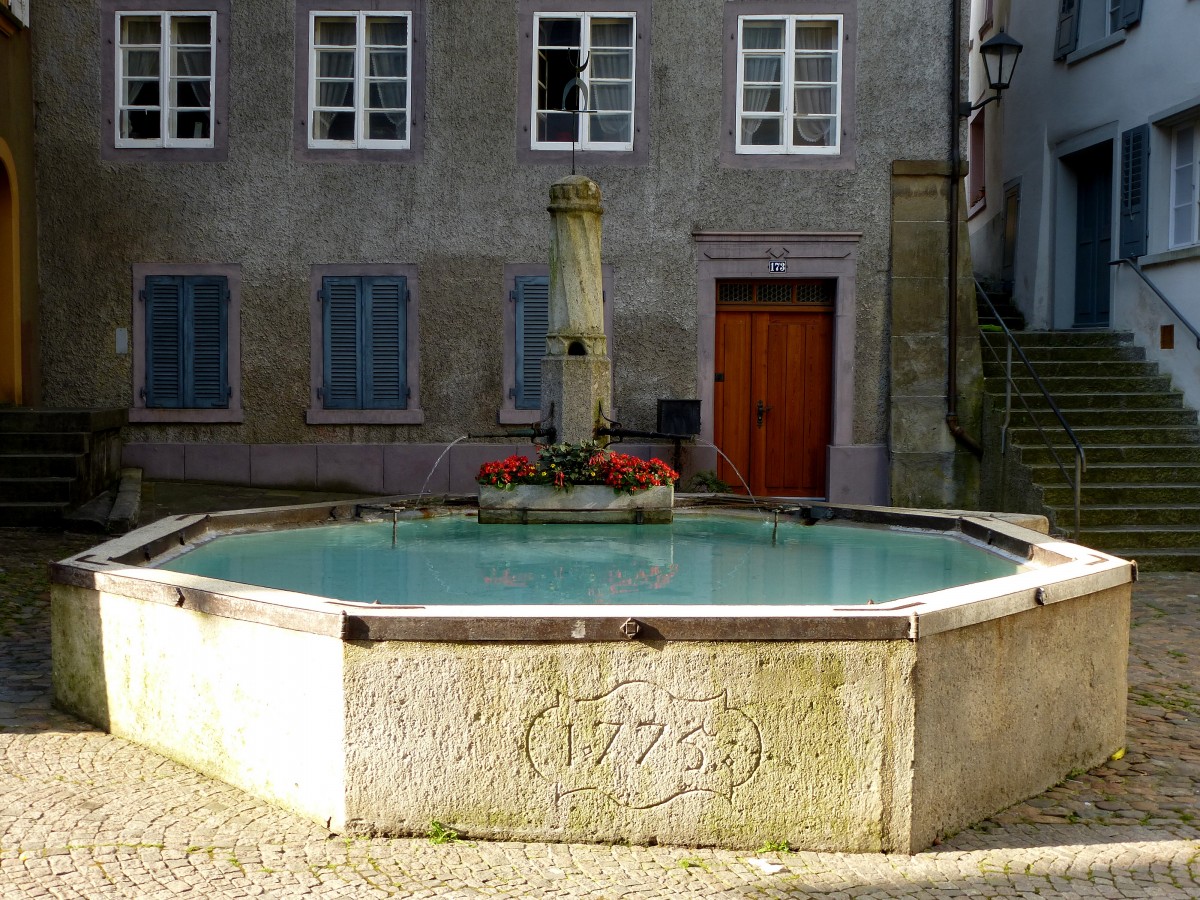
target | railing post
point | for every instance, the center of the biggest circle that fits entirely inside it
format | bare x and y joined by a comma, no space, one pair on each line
1008,386
1078,490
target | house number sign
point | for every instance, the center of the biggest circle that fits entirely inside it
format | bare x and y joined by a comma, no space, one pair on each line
777,265
641,746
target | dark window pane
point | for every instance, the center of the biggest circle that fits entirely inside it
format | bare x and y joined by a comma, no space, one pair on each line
192,124
333,126
558,32
191,31
760,132
141,125
387,126
555,127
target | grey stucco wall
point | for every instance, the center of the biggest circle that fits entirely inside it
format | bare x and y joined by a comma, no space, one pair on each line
460,213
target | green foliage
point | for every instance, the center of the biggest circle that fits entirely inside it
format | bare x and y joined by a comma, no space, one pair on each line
692,862
707,482
775,847
574,461
440,834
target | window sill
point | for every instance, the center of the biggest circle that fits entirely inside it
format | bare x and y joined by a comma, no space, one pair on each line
318,416
1117,37
183,416
977,208
734,160
1179,254
519,416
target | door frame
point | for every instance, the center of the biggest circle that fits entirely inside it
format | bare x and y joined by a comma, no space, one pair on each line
11,355
723,255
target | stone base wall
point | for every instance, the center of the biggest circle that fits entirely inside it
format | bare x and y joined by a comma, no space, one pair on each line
839,745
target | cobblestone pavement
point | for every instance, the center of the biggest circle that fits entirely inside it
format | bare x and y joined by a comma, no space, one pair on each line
84,814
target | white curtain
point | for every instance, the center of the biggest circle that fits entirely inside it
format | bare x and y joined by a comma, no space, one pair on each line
759,36
818,68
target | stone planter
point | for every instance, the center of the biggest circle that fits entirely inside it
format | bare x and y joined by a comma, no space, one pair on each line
585,503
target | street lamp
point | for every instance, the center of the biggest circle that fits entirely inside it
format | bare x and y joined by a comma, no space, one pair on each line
999,54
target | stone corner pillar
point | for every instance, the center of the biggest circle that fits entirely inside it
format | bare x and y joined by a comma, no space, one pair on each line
576,371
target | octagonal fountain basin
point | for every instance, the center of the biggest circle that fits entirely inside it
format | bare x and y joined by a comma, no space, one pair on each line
839,678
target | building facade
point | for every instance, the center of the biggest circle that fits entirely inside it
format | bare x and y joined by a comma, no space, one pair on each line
1091,158
305,242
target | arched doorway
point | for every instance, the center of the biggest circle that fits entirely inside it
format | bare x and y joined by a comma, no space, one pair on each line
10,282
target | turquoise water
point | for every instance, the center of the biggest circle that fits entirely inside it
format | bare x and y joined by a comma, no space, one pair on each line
697,559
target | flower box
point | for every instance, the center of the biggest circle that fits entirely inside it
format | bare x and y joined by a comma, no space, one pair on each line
578,504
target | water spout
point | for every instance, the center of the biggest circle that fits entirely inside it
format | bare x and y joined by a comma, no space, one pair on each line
438,462
736,472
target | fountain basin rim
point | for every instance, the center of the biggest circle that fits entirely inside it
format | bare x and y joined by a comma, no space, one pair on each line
1064,571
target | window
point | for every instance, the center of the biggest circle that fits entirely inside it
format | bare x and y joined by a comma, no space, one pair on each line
186,336
789,76
360,72
789,79
360,79
165,79
584,61
977,173
584,81
1185,197
364,345
526,318
1086,25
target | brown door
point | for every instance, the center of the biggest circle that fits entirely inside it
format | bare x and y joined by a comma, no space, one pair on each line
773,391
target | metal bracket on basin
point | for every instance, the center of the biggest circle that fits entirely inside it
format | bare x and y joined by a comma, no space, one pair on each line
630,628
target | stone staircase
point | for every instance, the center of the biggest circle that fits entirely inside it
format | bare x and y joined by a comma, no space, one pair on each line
54,459
1141,492
1010,314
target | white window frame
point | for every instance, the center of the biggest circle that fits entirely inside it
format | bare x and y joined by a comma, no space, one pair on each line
166,62
1178,200
788,87
361,123
585,39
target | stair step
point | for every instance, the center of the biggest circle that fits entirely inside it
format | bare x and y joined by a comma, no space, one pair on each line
1124,473
995,380
1163,514
1095,368
1144,436
1110,494
1092,418
29,515
36,490
1099,454
44,442
1081,399
1085,353
58,420
1067,338
1134,537
1170,560
38,465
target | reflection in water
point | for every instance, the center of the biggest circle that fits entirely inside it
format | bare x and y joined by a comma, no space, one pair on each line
697,559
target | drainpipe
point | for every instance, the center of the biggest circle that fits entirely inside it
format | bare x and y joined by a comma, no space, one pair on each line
960,435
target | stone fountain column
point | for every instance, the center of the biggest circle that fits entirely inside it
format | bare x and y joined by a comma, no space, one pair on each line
576,371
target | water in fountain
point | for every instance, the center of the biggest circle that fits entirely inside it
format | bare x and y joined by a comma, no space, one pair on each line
438,462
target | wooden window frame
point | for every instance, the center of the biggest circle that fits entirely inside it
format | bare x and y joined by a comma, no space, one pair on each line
117,149
788,86
1193,201
360,140
585,19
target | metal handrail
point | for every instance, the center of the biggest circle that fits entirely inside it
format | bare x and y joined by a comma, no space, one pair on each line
1129,261
1076,484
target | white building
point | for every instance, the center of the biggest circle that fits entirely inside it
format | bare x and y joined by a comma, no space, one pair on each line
1092,156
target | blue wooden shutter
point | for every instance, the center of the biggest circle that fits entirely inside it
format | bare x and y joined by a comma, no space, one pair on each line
342,327
1067,36
205,367
1131,13
385,385
1135,159
533,317
164,341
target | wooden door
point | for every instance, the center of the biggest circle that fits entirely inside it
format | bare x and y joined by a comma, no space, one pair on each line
773,390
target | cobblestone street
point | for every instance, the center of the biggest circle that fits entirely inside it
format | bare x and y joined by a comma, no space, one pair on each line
84,814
